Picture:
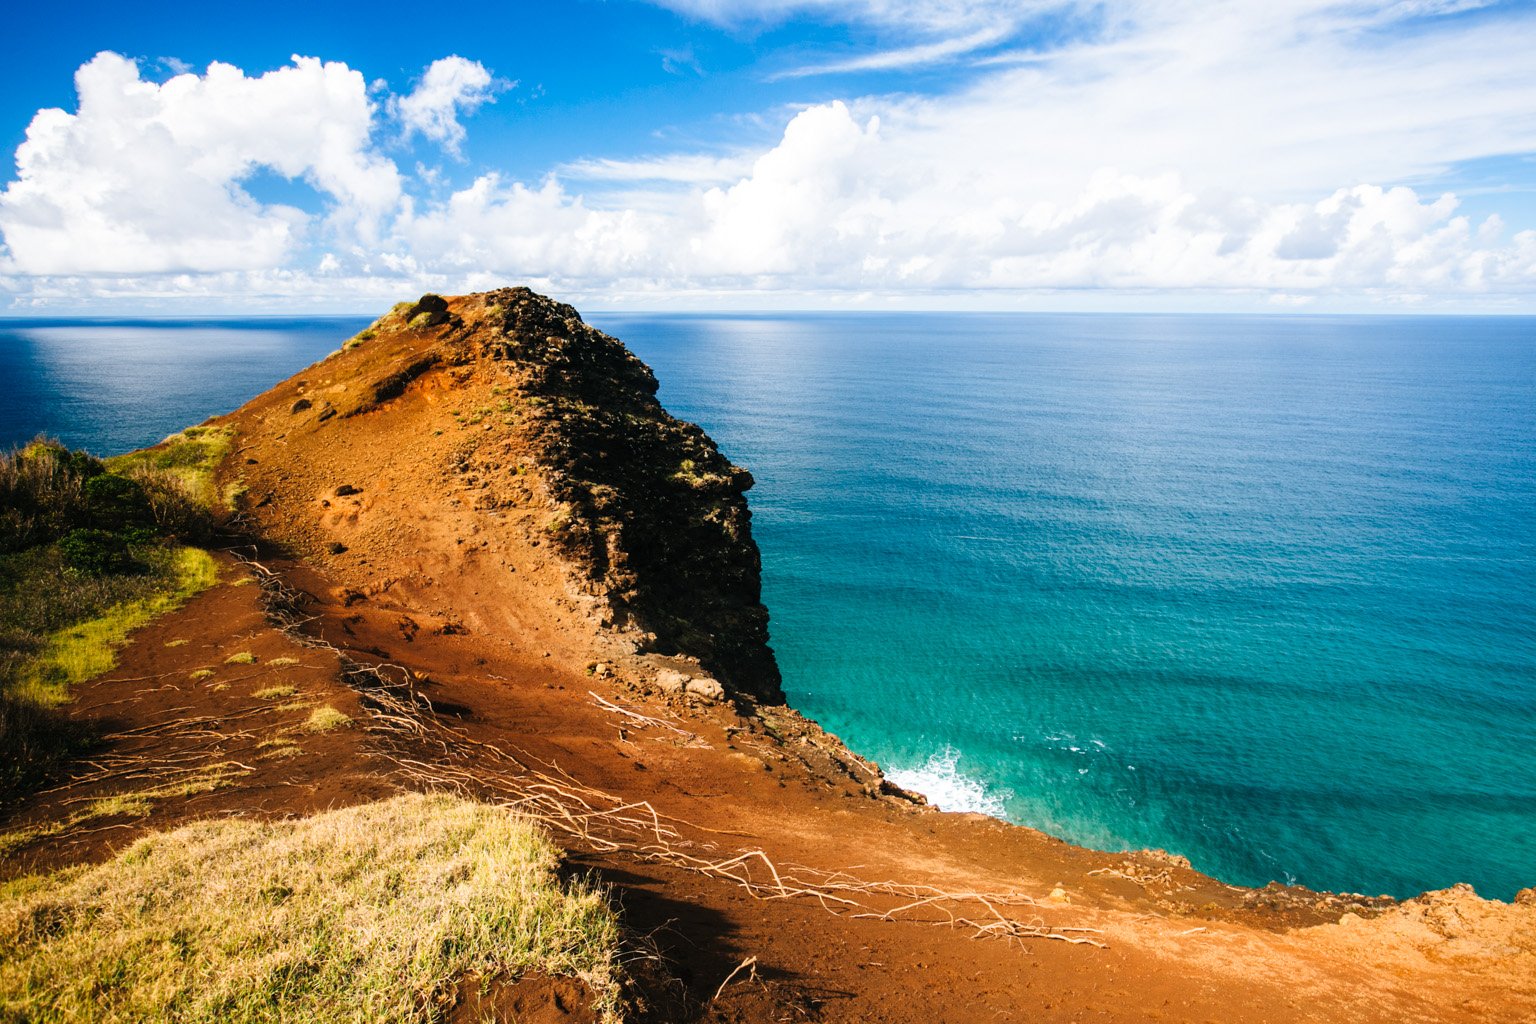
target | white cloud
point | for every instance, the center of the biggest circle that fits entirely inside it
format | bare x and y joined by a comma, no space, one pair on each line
837,206
145,178
450,86
906,56
680,168
1252,152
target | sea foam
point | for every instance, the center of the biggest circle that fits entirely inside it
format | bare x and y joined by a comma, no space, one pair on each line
947,787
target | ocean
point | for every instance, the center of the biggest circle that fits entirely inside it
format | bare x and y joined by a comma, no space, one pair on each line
1260,591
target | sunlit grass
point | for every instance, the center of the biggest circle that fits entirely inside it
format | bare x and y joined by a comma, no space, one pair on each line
87,649
326,719
372,913
190,456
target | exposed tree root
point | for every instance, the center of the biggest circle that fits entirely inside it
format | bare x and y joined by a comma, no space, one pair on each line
430,754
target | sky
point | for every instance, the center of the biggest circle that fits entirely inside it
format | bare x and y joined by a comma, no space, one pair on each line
1160,155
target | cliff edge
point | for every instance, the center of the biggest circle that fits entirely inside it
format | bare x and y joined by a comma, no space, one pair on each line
487,562
496,457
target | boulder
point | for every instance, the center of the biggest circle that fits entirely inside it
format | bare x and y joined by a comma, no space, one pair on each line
672,681
703,686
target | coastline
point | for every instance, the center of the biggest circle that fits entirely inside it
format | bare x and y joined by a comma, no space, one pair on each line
408,556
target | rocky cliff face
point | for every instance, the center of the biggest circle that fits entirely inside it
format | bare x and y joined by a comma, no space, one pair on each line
459,440
648,511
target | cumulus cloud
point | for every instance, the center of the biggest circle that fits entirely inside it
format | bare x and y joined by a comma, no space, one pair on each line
1274,154
829,208
451,86
145,178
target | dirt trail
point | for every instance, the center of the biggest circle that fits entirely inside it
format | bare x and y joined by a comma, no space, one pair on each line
437,512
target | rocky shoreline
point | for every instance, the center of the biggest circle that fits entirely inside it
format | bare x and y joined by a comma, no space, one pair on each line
478,532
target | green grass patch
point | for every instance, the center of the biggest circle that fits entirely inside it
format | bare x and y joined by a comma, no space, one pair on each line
275,692
326,719
242,658
191,457
199,675
129,805
87,649
371,913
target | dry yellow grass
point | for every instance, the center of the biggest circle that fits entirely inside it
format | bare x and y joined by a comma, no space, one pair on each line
371,913
326,719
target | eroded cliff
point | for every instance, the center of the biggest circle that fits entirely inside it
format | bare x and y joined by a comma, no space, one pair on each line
578,508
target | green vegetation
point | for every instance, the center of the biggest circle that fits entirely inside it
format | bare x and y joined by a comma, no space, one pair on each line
241,658
326,719
89,551
370,913
275,692
87,649
126,805
189,457
366,334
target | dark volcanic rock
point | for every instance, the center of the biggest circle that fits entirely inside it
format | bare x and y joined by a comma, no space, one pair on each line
650,511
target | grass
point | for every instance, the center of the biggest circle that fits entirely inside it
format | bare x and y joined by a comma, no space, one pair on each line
89,551
59,627
282,662
326,719
198,675
371,913
243,658
129,805
191,457
275,692
87,649
135,804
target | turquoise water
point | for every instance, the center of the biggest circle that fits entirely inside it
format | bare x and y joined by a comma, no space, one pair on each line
1260,591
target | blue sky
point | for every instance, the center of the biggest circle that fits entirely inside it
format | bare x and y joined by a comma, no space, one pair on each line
1358,155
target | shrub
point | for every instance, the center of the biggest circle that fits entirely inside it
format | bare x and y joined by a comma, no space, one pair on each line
116,502
98,552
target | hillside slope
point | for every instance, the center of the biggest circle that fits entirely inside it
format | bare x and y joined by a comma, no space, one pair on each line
481,540
496,462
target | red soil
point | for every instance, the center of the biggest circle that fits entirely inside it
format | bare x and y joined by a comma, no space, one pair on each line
498,633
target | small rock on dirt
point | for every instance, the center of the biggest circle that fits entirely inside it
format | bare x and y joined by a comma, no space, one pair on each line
703,686
671,680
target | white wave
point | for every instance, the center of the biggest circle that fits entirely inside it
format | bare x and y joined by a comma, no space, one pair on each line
947,787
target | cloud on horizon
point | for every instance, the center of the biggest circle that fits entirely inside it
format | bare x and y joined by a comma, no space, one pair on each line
1256,153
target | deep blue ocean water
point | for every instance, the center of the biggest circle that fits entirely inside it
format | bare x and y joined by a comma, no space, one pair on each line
1257,590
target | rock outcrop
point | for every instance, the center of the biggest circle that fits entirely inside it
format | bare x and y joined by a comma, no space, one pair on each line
548,437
